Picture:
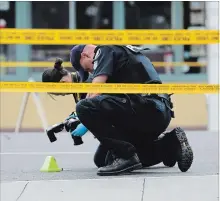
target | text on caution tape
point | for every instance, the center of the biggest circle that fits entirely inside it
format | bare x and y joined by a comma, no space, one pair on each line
116,37
108,88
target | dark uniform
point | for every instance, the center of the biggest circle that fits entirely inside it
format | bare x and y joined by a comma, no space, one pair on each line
126,124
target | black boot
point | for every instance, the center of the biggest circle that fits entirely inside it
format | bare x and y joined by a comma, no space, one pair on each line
110,157
177,149
120,165
167,148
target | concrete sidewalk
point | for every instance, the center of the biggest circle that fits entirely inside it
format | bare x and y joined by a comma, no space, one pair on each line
170,188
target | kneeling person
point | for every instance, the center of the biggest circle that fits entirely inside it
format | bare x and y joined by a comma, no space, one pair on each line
125,123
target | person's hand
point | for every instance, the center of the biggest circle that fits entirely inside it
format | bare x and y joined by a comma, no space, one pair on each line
72,116
79,131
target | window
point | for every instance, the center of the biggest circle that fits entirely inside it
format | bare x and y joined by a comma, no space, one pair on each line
49,15
94,15
148,15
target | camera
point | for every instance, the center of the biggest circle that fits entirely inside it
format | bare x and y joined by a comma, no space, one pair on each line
69,125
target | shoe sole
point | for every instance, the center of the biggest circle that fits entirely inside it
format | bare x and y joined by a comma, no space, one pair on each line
186,156
129,169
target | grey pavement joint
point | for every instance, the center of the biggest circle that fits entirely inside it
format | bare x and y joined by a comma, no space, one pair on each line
10,191
22,191
142,196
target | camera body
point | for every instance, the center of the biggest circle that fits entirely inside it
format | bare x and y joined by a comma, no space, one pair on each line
69,125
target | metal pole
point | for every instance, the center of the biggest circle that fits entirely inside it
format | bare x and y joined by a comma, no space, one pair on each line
118,15
72,15
23,20
22,112
177,23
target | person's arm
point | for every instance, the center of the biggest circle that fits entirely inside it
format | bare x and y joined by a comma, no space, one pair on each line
103,67
99,79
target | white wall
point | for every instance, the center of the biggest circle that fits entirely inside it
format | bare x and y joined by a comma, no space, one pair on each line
212,22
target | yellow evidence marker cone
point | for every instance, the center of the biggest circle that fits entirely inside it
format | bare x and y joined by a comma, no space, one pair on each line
50,165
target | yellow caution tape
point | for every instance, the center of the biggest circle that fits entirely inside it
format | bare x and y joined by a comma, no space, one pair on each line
108,88
116,37
37,64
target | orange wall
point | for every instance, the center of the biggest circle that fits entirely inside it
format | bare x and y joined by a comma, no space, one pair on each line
190,110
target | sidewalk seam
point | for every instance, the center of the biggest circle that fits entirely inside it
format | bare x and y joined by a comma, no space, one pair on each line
142,197
22,191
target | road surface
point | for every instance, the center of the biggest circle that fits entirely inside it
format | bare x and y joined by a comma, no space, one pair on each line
23,154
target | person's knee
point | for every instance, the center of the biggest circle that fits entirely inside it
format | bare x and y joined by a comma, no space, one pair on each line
87,110
100,156
82,108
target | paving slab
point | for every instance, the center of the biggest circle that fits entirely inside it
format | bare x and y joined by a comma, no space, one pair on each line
84,190
177,188
10,191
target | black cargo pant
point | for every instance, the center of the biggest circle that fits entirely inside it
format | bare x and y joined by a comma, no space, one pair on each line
125,124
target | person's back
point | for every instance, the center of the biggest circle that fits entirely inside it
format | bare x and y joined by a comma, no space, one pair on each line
131,66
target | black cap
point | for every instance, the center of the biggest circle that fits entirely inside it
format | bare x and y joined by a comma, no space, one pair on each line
75,55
